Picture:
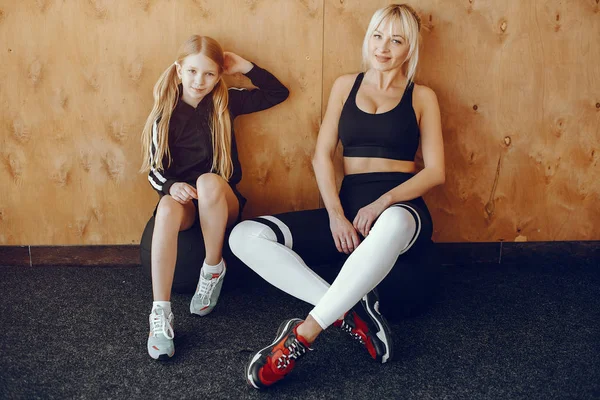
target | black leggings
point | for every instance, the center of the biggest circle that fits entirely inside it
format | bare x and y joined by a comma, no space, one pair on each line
308,236
312,237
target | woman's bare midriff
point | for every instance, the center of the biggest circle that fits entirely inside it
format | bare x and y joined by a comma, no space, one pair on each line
361,165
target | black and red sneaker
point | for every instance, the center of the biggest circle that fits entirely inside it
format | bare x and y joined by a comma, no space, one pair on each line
366,325
274,362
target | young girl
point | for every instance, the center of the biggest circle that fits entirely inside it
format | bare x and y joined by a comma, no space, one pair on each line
189,150
380,116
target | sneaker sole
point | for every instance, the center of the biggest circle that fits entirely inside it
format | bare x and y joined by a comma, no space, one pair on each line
201,313
280,333
163,356
384,333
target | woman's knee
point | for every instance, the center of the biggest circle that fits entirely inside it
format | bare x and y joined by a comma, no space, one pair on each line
210,189
395,220
243,234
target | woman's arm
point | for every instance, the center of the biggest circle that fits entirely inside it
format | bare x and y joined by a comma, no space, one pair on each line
270,91
345,237
433,173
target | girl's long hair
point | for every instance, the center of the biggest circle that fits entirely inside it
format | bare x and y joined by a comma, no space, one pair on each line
155,135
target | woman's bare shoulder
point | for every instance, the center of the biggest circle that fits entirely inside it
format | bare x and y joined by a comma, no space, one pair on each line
424,95
343,85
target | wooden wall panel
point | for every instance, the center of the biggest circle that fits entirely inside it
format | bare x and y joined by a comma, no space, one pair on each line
518,84
519,90
77,80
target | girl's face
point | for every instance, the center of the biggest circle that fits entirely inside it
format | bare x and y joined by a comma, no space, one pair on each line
199,75
388,46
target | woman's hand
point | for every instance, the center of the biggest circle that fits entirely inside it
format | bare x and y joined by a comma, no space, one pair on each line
345,237
367,215
182,192
232,64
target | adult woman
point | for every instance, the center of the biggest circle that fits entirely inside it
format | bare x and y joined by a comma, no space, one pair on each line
380,116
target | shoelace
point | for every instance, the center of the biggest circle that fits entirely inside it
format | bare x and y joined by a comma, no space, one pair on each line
205,288
295,349
348,329
160,325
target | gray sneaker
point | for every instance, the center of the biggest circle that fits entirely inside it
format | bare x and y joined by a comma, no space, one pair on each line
207,293
160,340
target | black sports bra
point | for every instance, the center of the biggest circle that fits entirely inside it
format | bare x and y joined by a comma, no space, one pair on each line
393,134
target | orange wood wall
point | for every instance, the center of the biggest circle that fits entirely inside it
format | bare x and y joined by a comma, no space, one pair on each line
518,84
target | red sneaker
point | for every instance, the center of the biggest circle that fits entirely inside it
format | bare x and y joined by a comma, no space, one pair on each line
367,326
274,362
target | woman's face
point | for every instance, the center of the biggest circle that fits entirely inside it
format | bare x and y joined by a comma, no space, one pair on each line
199,75
388,46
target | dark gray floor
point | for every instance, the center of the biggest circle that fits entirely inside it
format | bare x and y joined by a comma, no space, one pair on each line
526,331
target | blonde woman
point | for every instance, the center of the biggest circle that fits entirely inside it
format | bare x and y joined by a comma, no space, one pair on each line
381,116
190,153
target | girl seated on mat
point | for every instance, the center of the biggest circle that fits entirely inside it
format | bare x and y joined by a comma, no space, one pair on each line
190,152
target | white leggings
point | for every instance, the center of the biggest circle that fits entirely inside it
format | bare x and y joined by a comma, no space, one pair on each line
265,245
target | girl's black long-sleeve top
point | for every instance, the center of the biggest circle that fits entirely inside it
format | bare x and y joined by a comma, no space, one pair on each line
190,139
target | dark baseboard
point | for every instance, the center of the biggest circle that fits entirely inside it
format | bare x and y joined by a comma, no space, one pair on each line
468,253
15,256
518,252
67,256
450,254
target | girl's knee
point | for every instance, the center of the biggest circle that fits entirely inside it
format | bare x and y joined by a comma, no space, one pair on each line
210,188
169,210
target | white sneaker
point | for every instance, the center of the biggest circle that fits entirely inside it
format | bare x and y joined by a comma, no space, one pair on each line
207,292
160,340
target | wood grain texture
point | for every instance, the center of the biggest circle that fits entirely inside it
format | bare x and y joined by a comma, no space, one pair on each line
77,80
518,85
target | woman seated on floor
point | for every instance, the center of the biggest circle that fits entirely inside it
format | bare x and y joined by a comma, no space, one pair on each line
380,116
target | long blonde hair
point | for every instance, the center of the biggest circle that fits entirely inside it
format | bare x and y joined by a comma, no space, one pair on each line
166,95
411,24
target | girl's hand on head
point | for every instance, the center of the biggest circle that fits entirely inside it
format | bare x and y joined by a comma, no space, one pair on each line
366,216
182,192
232,64
345,237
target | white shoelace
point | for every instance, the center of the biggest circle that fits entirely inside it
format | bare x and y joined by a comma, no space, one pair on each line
205,288
348,329
296,349
160,324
